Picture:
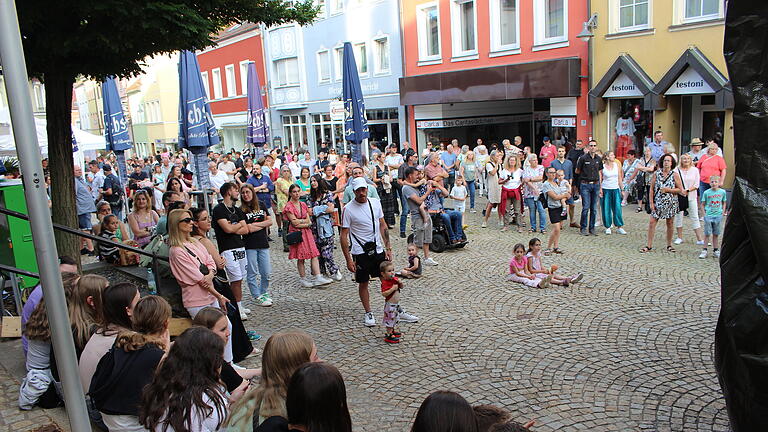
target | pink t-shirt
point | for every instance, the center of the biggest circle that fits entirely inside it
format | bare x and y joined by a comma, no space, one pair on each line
548,154
515,266
710,165
186,270
690,179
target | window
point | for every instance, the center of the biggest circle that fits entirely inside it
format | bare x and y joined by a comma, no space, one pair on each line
551,21
287,71
361,58
633,14
338,59
428,17
204,76
229,70
324,66
320,4
244,77
381,55
216,83
504,25
463,27
39,91
337,6
702,9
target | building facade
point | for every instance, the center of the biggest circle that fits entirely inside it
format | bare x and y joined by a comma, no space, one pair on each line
494,69
304,66
660,63
224,69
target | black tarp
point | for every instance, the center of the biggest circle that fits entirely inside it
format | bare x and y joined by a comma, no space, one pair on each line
741,338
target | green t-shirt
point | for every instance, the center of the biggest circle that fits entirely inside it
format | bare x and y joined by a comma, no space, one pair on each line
714,201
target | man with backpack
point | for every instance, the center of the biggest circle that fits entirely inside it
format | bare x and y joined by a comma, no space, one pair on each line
112,191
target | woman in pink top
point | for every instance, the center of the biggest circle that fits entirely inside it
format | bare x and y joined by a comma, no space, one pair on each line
192,265
689,175
710,164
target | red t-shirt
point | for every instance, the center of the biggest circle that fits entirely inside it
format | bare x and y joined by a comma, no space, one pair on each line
710,165
548,154
387,284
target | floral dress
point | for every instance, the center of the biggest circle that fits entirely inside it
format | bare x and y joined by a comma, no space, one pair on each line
629,169
387,198
666,204
322,225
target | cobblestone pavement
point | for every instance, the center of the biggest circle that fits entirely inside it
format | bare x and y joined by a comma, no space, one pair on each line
628,349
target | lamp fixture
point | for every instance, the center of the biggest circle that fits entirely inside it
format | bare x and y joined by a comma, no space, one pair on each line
586,33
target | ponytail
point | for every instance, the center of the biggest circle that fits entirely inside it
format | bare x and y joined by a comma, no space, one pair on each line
150,320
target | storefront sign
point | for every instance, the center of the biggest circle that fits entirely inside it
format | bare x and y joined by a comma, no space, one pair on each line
336,108
689,82
563,121
463,122
622,87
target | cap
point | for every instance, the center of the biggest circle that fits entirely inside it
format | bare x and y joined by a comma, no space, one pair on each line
420,167
696,142
546,138
358,183
106,167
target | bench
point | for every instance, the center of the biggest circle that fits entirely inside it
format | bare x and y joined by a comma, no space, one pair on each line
10,327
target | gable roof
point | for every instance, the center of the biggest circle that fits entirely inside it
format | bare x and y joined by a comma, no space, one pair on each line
626,64
696,60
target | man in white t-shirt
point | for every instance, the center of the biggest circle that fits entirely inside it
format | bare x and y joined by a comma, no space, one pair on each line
218,177
365,244
228,167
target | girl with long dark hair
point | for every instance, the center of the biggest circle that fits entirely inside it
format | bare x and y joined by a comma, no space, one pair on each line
323,207
444,411
256,245
317,399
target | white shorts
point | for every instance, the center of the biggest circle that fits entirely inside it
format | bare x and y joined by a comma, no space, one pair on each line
237,264
460,206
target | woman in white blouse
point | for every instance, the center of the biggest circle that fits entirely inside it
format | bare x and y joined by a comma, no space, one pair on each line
689,175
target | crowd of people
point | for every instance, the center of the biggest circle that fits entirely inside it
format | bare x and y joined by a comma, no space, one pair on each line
137,379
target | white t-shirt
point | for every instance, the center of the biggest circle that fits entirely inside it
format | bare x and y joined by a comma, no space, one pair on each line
514,179
459,192
357,217
198,422
396,159
625,126
219,179
227,167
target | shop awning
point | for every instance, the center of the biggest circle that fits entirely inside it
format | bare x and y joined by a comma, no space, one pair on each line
625,79
693,74
543,79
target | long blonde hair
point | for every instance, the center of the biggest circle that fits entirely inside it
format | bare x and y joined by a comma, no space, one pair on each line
510,157
176,237
82,316
283,353
149,321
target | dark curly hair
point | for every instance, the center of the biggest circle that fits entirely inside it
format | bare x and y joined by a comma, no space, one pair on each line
191,370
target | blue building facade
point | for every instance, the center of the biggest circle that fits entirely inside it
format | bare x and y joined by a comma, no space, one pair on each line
304,66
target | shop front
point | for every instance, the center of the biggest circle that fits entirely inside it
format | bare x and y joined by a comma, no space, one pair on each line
530,100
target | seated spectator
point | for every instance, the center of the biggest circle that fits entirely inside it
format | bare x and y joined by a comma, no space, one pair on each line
103,209
283,353
85,305
445,411
317,399
142,220
124,371
185,393
489,415
107,252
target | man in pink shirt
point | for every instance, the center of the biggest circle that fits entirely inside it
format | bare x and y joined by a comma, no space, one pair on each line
548,153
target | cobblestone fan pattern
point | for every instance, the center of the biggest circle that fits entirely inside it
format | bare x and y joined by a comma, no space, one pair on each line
12,419
629,348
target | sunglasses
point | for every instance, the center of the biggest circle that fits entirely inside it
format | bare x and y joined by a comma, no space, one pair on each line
186,220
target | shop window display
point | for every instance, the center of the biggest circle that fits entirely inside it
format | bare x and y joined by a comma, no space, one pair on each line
631,126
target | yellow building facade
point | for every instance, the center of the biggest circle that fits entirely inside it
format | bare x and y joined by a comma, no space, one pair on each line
658,65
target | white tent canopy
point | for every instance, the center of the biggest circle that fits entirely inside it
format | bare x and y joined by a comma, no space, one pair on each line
85,141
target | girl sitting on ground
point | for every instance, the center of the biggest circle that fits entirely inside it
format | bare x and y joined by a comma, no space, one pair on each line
536,268
414,269
518,270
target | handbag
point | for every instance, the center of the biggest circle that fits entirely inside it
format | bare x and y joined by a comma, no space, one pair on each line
682,201
294,237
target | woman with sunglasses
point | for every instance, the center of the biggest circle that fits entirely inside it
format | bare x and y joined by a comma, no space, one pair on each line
142,219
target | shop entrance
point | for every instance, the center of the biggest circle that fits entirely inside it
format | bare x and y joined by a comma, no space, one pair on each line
629,124
700,118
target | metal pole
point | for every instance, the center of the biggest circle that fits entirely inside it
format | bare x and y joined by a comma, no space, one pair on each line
15,72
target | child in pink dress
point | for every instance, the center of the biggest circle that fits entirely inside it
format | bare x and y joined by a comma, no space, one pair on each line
518,270
538,270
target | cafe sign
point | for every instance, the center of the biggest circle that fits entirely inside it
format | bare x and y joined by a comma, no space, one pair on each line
563,121
474,121
689,82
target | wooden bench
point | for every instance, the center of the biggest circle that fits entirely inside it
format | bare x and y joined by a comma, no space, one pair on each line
10,327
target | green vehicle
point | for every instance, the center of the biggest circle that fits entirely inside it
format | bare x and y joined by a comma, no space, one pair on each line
16,246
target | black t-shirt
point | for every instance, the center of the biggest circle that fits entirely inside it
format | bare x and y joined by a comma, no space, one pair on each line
135,178
331,183
224,240
230,377
112,182
257,239
120,379
589,168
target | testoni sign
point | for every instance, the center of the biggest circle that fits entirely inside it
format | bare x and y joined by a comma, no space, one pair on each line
462,122
336,108
622,87
563,121
689,82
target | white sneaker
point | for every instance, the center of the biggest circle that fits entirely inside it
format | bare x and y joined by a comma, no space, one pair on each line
429,261
472,211
245,309
703,254
306,282
370,321
243,316
322,280
621,231
406,317
337,276
678,241
608,231
700,242
716,253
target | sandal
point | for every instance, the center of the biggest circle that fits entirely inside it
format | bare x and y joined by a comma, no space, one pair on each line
548,252
645,249
531,231
543,231
638,210
671,249
557,251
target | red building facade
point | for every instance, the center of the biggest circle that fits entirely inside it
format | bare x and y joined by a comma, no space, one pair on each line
224,71
494,69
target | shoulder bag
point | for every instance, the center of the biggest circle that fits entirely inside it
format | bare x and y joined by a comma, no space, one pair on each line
369,248
203,268
682,201
295,237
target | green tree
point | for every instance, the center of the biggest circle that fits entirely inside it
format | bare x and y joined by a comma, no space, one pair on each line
66,39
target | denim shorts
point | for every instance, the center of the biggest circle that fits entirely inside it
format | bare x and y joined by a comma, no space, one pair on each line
84,221
712,225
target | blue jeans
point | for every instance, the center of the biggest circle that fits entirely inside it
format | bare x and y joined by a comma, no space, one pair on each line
403,210
471,189
535,206
258,264
452,221
589,193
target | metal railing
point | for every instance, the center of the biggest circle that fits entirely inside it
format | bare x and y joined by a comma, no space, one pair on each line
15,290
93,237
